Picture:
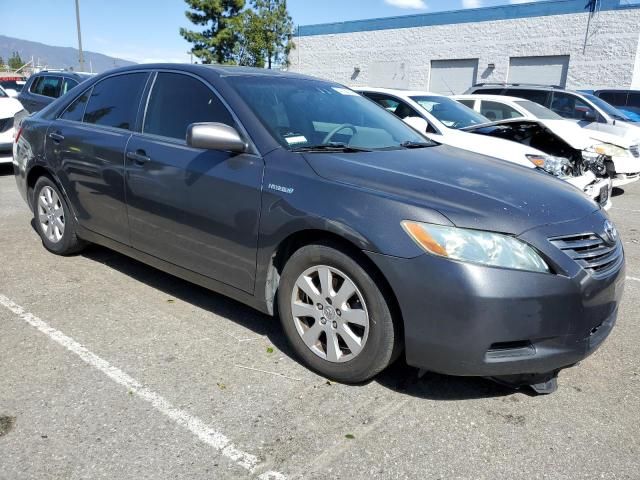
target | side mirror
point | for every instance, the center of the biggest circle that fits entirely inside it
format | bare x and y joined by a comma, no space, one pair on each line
215,136
590,116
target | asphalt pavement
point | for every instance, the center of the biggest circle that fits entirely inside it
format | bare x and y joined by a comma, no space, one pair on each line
112,369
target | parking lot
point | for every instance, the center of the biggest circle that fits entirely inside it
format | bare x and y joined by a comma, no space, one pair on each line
112,369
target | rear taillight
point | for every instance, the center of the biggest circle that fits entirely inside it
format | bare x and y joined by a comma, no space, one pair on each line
17,135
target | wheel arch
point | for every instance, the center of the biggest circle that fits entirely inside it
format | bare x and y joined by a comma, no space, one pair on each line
289,245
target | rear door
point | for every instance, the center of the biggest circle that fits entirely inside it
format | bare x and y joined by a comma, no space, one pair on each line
86,146
197,209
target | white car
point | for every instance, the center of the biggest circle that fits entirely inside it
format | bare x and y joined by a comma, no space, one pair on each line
442,119
624,164
8,108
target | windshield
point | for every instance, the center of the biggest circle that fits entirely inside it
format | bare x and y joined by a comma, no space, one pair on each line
301,113
609,109
452,114
538,110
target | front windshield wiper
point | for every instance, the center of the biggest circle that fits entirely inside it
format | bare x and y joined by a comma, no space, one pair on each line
410,144
330,147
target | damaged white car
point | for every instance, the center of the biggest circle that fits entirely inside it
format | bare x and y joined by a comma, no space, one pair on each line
444,120
8,108
621,149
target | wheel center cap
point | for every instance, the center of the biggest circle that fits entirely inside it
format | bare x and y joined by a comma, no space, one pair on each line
329,312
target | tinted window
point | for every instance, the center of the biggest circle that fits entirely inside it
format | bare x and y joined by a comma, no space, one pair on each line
179,100
34,84
47,86
67,85
537,96
498,111
618,99
75,111
569,106
114,101
468,103
489,91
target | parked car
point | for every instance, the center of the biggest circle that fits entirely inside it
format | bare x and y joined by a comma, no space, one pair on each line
444,120
277,188
44,87
621,165
12,84
627,101
589,111
9,107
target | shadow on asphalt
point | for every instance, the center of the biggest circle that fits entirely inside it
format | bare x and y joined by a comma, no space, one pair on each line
399,377
6,169
617,191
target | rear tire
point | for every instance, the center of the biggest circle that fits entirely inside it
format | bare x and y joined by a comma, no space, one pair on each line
53,219
335,315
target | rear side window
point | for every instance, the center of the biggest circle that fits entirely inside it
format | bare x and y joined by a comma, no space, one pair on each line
498,111
67,85
634,102
114,101
537,96
176,101
75,111
617,99
47,86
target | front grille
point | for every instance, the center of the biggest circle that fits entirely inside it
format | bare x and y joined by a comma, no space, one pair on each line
635,150
591,252
5,124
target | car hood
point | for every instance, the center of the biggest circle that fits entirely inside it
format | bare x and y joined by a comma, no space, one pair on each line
471,190
569,132
9,107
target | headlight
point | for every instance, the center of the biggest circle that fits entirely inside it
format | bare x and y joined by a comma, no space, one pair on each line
475,246
611,150
557,166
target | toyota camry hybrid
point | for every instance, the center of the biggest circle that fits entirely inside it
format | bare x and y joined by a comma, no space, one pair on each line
305,200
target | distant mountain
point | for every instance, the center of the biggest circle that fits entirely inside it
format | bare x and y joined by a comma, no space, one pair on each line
57,57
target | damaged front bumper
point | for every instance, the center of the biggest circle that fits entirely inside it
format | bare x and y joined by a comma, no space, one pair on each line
597,188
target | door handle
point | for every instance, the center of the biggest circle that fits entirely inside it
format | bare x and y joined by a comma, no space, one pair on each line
56,137
139,157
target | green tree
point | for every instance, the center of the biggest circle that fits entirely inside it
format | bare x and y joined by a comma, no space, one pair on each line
1,62
15,62
273,27
222,21
250,49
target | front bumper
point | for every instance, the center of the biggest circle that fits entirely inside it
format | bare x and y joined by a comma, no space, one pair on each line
464,319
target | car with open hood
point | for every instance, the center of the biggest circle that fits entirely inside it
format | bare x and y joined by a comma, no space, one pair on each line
9,107
620,161
444,120
305,200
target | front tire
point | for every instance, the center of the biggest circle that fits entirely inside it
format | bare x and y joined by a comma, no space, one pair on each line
53,219
335,315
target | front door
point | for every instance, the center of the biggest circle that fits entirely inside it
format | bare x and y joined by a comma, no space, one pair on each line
197,209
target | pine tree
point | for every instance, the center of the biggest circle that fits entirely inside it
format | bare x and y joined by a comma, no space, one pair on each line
15,62
222,21
275,28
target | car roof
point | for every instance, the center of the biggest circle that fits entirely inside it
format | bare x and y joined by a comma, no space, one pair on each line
617,90
397,91
215,70
497,98
64,73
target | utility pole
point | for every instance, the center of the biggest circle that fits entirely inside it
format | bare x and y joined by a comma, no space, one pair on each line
80,56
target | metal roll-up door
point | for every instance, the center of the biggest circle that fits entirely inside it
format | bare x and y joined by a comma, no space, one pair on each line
544,70
453,77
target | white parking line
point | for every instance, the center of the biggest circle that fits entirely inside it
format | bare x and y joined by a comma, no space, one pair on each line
204,432
635,279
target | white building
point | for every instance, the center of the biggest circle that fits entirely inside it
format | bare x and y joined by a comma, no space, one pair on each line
556,42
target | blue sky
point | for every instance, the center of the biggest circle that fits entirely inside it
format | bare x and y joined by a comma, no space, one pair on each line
147,30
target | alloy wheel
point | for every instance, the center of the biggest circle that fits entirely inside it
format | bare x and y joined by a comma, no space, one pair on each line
51,214
330,314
